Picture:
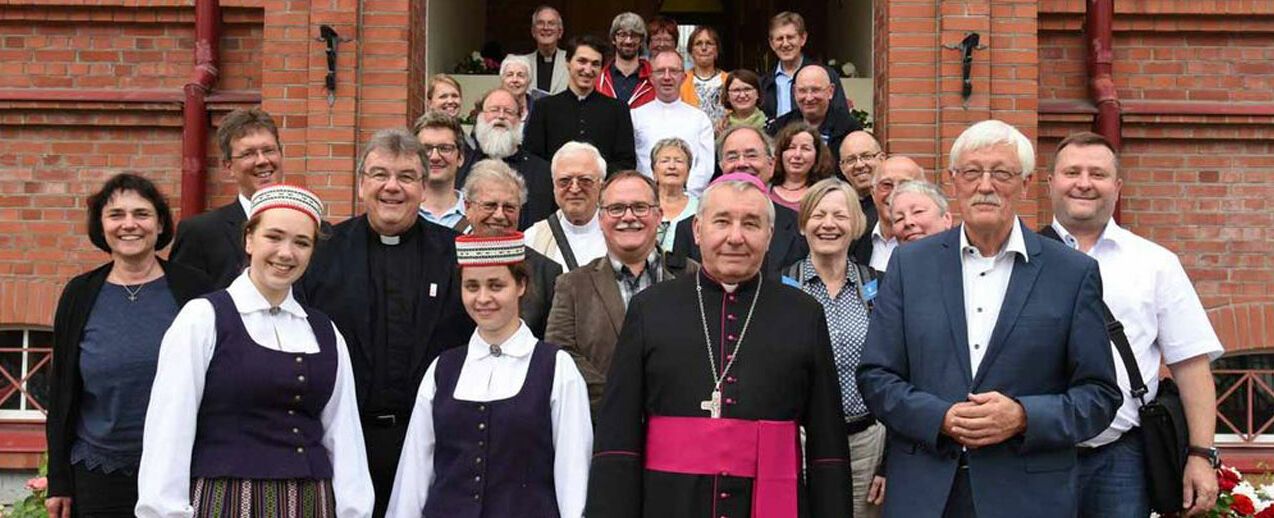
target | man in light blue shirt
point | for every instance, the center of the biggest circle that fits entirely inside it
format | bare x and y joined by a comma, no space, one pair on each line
440,137
787,39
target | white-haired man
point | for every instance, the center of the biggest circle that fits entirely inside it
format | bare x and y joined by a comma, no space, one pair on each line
549,72
572,236
676,437
987,356
498,134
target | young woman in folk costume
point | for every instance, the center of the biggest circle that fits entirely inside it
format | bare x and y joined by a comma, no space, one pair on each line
253,411
501,426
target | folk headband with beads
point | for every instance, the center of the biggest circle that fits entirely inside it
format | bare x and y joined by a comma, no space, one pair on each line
490,251
282,196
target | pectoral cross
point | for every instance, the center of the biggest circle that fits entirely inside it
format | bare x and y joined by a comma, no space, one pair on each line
712,405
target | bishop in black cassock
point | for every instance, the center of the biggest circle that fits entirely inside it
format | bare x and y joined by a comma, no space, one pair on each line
388,280
693,426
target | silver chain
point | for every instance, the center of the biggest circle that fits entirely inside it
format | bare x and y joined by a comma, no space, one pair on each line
707,338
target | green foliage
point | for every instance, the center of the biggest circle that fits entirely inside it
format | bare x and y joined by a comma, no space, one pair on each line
32,506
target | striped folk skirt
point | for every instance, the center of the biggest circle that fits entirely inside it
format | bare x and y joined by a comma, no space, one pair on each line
244,498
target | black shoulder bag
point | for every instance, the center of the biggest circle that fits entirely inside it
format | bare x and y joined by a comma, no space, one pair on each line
563,245
1163,420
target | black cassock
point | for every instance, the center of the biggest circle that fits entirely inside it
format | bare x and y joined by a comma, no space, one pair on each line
784,372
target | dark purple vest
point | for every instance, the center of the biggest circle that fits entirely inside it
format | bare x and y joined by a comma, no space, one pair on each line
260,414
494,459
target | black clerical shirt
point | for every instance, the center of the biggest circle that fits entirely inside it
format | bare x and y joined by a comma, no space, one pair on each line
396,280
597,119
544,71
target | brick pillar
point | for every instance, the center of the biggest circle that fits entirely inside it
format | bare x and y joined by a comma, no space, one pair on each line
919,109
322,139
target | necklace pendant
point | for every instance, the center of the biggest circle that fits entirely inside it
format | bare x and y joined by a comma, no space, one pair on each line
132,298
712,405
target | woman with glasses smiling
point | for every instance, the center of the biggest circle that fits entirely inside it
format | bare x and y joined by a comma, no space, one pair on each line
742,95
670,159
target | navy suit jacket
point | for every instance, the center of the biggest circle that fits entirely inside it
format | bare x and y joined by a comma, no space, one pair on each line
1049,350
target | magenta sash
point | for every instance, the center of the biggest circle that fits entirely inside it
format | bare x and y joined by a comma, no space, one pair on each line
765,451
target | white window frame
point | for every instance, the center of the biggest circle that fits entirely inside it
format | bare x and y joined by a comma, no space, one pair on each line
25,412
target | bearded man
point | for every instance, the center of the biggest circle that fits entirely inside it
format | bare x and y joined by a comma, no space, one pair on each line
498,134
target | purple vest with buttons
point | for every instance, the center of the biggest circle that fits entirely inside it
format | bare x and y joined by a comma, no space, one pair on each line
494,459
260,414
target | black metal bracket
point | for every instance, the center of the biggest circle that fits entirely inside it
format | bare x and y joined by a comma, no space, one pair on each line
328,34
966,48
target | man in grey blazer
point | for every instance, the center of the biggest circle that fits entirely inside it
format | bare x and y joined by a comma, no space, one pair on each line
548,62
590,301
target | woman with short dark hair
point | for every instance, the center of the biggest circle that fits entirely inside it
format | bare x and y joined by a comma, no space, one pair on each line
741,98
106,335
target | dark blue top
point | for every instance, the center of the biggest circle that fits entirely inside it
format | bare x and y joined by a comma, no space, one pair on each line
117,363
624,84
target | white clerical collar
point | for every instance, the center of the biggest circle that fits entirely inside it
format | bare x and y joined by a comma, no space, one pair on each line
1015,244
520,344
1109,234
390,240
593,226
246,204
247,299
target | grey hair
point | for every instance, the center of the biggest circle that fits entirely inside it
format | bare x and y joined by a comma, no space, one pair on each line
628,21
573,147
769,142
739,186
493,170
513,59
671,142
922,187
542,8
993,132
396,142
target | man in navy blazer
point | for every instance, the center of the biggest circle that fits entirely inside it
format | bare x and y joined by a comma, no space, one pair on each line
987,356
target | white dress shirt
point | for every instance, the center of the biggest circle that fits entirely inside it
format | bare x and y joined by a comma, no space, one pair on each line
986,280
163,486
658,120
587,241
489,378
881,249
246,204
1146,288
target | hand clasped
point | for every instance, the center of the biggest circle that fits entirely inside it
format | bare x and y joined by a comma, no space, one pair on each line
985,419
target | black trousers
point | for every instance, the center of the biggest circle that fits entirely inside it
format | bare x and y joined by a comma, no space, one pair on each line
103,495
384,446
960,500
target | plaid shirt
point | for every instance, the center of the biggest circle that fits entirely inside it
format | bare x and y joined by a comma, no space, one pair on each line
630,284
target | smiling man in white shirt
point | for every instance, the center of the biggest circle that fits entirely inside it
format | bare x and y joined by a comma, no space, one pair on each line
1149,293
892,172
669,116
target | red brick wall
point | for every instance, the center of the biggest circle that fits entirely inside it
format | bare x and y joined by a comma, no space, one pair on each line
1196,83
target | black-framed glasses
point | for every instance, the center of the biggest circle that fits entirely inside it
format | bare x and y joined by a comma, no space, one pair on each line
442,149
617,210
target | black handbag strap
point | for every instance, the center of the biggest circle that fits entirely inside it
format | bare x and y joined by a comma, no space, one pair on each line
462,226
564,246
1117,335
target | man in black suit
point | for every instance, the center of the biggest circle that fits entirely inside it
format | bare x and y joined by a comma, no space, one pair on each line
493,193
580,113
212,242
860,155
814,89
498,134
744,149
389,282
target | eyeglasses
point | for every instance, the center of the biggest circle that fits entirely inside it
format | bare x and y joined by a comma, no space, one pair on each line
491,206
810,90
865,157
548,23
741,91
735,156
442,149
626,35
885,185
975,175
497,111
584,182
666,71
383,176
617,210
248,154
704,43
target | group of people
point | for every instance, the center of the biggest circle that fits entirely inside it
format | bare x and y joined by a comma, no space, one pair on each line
518,324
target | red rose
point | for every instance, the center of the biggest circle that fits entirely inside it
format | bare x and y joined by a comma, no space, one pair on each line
1267,513
1242,505
1226,483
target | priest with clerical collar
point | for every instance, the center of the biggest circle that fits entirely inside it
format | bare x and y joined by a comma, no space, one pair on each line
388,281
712,377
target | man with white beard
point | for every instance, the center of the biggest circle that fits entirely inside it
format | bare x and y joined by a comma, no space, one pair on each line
498,134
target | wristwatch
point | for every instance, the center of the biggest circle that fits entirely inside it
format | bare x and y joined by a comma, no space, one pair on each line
1211,454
